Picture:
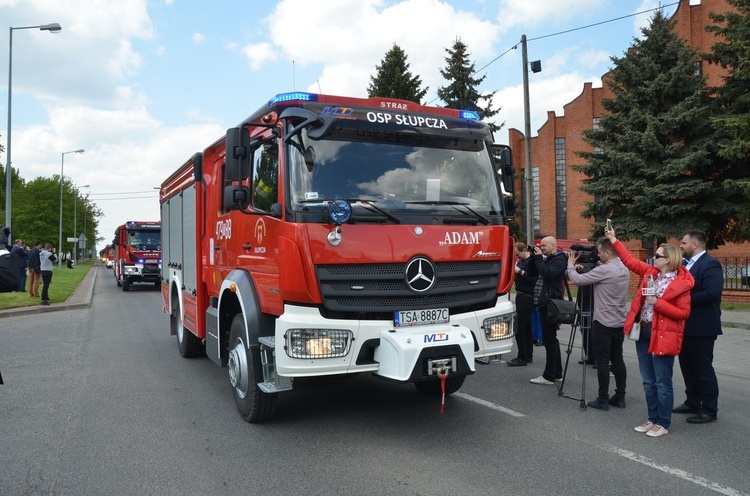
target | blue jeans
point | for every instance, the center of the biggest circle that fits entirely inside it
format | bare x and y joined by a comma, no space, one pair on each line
656,372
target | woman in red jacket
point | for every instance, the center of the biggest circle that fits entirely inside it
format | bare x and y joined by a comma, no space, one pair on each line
662,317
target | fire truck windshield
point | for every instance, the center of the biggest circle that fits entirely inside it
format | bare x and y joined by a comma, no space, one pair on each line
401,171
145,240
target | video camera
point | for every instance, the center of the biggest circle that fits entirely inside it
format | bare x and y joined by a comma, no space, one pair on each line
588,256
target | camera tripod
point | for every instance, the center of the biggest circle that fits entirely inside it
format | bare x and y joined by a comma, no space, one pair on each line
583,319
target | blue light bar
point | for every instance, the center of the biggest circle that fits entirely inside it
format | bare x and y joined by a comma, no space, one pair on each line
289,97
470,115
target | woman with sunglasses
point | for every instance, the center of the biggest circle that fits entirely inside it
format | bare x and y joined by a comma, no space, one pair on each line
662,317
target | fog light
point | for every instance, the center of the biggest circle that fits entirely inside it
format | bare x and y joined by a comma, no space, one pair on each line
500,327
317,343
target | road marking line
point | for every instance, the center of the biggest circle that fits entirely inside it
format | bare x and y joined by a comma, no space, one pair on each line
674,471
493,406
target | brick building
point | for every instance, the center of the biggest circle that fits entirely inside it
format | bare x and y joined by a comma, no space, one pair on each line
558,200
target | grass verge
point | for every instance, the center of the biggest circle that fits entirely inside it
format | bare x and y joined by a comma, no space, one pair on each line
64,282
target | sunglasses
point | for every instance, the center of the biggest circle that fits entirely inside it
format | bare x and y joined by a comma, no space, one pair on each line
657,256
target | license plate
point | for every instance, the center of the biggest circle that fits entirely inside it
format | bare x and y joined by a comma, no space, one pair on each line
405,318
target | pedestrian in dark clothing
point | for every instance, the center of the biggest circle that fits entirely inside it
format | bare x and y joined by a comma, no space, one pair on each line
701,330
549,266
19,252
524,307
34,271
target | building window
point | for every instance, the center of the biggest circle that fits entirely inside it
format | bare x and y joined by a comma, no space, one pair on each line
597,149
535,212
561,198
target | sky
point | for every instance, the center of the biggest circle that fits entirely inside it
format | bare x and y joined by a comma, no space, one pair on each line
141,85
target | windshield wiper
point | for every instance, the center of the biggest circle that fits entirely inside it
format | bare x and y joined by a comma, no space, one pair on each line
455,204
369,205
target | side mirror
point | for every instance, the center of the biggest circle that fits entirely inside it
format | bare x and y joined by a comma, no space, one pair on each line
510,207
236,197
239,151
504,160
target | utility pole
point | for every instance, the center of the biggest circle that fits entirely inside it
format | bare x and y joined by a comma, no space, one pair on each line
536,66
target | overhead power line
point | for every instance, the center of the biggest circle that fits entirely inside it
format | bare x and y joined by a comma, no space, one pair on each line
574,29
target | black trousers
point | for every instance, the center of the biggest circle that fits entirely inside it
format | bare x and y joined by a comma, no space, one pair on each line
608,345
46,280
696,364
524,339
553,360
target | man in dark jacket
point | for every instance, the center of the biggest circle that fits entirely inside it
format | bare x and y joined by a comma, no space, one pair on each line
701,329
524,307
35,273
22,257
549,266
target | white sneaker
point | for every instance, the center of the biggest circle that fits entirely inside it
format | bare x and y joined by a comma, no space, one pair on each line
542,381
644,427
657,431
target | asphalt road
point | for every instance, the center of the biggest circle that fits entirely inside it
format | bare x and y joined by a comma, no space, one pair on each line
98,402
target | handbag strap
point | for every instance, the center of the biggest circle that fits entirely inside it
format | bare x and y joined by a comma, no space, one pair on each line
567,288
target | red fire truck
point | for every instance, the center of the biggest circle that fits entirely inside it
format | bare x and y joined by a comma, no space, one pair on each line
137,253
327,235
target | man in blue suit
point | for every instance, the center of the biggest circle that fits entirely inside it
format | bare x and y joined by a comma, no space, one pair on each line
701,329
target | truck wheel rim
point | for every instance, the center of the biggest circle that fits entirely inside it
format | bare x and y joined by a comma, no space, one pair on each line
238,371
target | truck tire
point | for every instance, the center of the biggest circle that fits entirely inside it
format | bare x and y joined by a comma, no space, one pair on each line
244,374
432,388
188,343
125,284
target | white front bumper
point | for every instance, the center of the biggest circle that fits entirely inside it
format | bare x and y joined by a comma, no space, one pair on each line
395,355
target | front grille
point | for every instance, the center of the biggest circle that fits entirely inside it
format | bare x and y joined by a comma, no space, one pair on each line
377,290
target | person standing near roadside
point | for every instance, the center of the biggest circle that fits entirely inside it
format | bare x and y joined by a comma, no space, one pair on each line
46,263
701,329
524,307
34,269
548,265
22,257
610,280
662,319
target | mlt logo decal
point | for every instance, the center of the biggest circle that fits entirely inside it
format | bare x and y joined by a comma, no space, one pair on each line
438,336
338,111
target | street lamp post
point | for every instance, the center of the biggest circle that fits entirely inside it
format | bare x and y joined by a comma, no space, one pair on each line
52,28
62,169
75,222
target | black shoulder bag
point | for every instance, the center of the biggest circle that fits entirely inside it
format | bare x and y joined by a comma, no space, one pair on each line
562,311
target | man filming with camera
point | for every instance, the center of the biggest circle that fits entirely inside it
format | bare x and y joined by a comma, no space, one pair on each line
610,281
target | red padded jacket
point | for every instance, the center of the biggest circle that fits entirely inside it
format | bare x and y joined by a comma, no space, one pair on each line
671,310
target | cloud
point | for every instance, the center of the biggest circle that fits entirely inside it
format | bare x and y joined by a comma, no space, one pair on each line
259,54
545,94
534,13
352,36
198,38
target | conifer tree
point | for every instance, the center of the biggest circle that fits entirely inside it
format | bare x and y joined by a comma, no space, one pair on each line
461,91
652,170
731,111
393,79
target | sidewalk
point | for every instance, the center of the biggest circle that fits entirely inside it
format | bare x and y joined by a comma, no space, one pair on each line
81,298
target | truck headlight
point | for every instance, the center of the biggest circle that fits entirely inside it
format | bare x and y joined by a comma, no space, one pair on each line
499,327
317,343
131,270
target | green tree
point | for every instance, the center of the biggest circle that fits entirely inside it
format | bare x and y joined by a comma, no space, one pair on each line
461,91
652,169
393,79
731,110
